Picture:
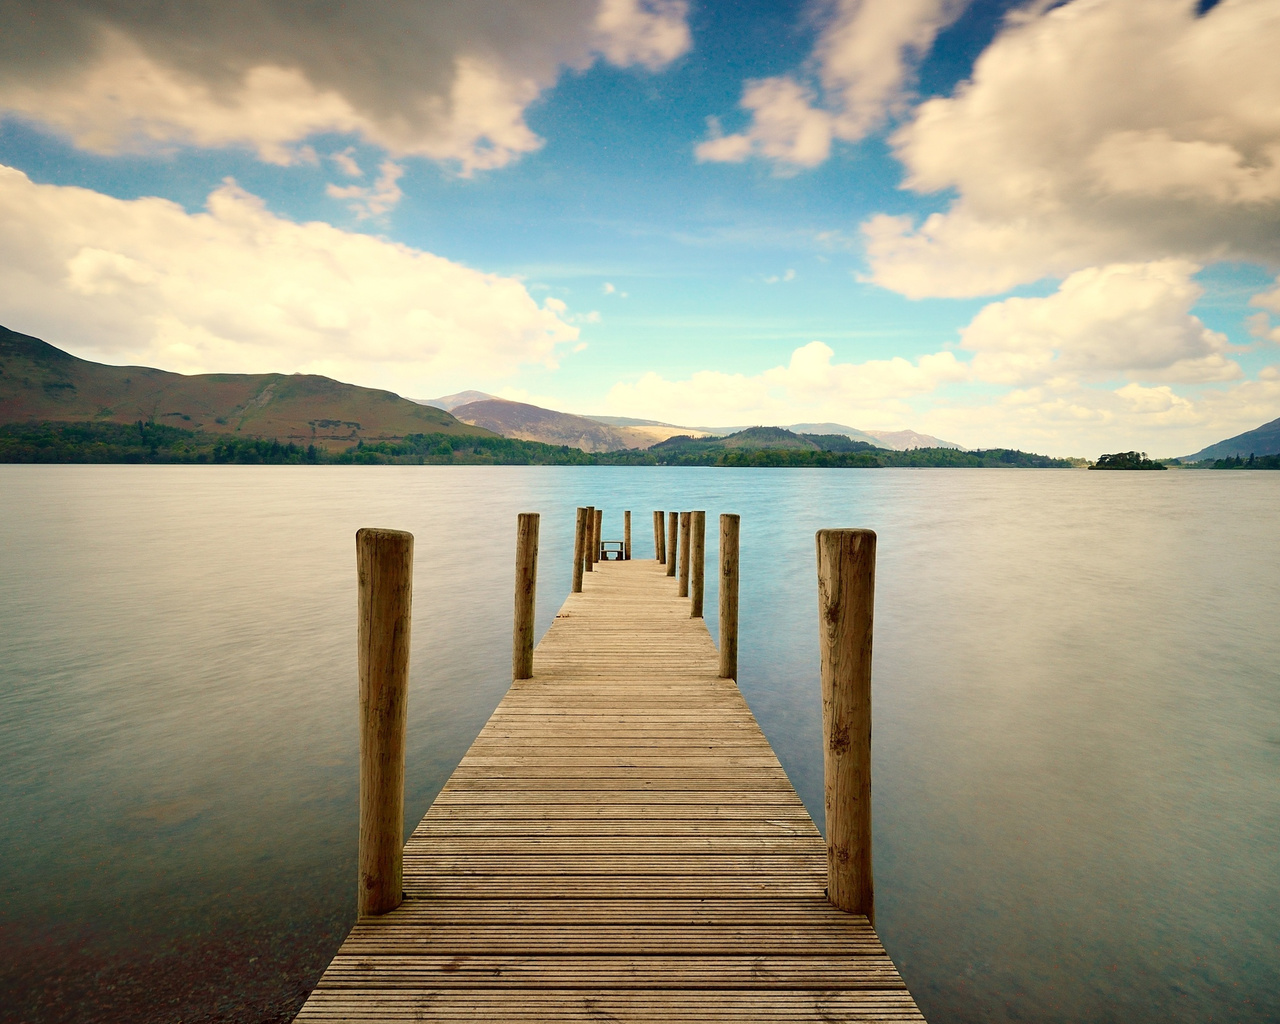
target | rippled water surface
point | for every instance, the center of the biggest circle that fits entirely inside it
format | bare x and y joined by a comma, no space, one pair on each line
1077,718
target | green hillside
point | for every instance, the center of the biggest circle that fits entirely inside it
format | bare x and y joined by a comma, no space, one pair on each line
43,384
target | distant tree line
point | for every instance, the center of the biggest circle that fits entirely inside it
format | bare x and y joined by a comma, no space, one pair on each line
145,442
142,442
1252,462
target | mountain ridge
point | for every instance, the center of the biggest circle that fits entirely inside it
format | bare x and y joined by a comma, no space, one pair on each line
1263,440
40,382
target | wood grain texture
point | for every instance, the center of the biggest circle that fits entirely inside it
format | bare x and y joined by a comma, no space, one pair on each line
729,529
673,545
846,592
579,548
659,537
697,562
626,535
384,573
526,588
685,522
619,843
589,559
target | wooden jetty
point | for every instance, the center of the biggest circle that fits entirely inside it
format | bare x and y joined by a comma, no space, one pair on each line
620,843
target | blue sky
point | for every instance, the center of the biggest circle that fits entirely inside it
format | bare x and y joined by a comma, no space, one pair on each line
1047,226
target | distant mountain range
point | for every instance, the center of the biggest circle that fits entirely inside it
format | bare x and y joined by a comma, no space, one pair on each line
39,383
534,423
42,383
1263,440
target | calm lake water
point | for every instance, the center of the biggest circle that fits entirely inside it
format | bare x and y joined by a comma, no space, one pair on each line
1077,718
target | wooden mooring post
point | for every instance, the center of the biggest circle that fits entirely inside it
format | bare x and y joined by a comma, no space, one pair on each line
626,536
698,562
673,544
684,553
384,573
846,598
620,841
588,562
526,595
729,525
659,537
579,548
595,550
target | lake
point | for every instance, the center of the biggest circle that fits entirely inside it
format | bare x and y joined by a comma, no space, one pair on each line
1076,718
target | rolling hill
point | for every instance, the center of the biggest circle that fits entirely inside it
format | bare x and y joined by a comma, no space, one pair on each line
894,440
533,423
39,383
1263,440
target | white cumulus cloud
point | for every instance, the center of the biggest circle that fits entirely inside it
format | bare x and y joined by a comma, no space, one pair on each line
862,63
236,288
1124,320
446,81
809,387
1095,132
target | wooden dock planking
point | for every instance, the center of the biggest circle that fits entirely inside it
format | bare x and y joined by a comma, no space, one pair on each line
620,843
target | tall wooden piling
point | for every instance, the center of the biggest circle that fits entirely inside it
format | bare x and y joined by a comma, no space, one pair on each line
579,548
698,560
384,570
626,536
673,545
588,563
846,593
659,537
526,595
729,596
595,550
684,554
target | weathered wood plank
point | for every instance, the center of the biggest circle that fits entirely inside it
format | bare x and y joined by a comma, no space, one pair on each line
619,843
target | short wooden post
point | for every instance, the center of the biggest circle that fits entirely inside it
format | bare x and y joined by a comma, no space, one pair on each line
384,572
526,595
846,593
698,558
659,537
599,539
588,563
684,554
626,536
729,596
673,546
579,548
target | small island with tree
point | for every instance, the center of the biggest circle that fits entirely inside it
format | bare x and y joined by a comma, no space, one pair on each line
1127,460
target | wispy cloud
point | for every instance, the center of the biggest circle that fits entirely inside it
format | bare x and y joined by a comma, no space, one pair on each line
374,200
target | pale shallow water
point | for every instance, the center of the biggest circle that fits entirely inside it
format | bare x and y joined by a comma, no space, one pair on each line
1077,718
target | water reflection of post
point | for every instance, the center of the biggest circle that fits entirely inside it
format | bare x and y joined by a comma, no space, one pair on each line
384,570
846,592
